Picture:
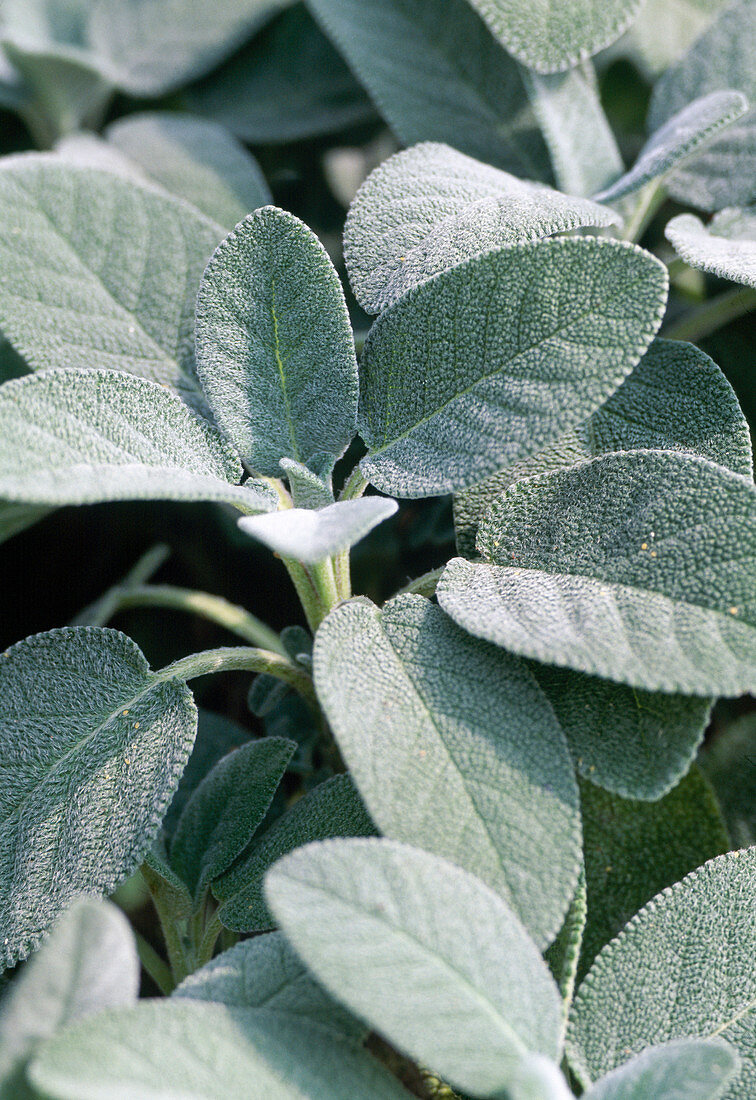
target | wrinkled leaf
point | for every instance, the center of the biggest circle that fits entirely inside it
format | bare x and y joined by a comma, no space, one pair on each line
686,1069
726,247
310,535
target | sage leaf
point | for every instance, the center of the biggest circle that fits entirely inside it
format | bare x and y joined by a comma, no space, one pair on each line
680,137
449,394
331,809
310,535
633,850
275,352
92,746
637,567
550,38
76,291
308,489
372,906
563,954
224,811
726,247
729,764
686,1069
89,963
430,207
663,31
83,436
436,74
431,721
659,992
537,1078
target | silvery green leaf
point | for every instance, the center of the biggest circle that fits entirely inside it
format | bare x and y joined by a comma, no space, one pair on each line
729,763
287,84
451,392
637,567
275,352
726,247
633,850
682,968
84,436
722,58
551,37
196,160
88,963
183,1049
311,536
389,913
333,808
308,489
582,146
434,724
663,31
223,812
92,746
429,208
537,1078
678,138
77,291
437,74
684,1069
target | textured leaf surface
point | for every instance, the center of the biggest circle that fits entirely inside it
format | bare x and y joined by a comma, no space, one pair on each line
76,291
726,247
311,536
551,37
86,784
633,850
378,909
449,394
225,810
679,138
437,74
683,967
274,343
454,749
637,567
332,809
430,207
564,953
181,1049
722,58
537,1078
79,437
89,963
686,1069
729,763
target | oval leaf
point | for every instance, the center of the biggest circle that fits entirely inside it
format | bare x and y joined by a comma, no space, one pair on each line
687,1069
311,536
726,247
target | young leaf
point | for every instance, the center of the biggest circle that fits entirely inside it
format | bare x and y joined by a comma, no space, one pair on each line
429,208
436,726
334,808
683,967
685,1069
680,137
726,247
79,292
196,160
89,963
637,567
311,536
92,745
275,352
471,1006
83,436
224,811
729,763
563,954
551,38
308,490
436,74
451,393
633,850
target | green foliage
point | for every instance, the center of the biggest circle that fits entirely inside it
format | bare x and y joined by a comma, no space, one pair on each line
726,246
685,1069
311,535
730,765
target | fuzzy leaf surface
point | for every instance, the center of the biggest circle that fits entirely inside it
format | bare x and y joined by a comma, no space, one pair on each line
449,394
85,436
726,247
378,908
310,536
637,567
685,1069
683,967
430,720
275,352
86,784
429,208
436,74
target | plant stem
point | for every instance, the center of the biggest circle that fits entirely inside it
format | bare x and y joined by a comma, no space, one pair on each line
102,610
712,315
157,968
425,585
342,571
209,940
354,486
242,658
648,202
